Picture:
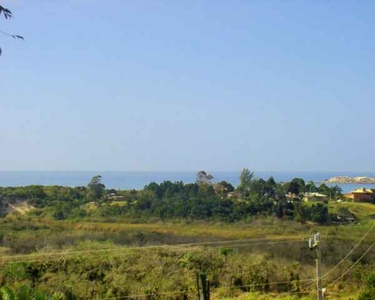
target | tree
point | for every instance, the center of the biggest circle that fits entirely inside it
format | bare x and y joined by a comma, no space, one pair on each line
203,178
311,187
324,189
223,187
96,187
246,179
296,186
334,192
8,15
270,188
319,213
299,213
373,197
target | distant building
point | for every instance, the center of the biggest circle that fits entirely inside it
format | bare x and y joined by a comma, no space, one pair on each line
314,197
113,197
360,195
233,194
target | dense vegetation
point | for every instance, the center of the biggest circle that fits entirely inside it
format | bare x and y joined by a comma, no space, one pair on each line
79,260
202,200
97,243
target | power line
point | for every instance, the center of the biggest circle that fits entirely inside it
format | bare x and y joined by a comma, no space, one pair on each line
305,285
350,252
265,284
37,257
342,260
270,243
214,243
116,252
176,293
226,287
143,295
352,266
266,241
314,243
296,292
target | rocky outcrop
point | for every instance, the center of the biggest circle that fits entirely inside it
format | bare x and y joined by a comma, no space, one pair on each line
353,180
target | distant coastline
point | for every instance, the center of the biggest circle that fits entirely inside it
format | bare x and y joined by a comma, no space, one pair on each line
129,180
351,180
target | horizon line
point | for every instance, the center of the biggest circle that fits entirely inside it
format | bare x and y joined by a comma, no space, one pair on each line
189,171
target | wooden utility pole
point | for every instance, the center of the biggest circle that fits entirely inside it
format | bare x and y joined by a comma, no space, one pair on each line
314,245
198,288
206,286
319,275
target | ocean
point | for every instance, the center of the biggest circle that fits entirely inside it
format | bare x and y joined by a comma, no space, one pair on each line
137,180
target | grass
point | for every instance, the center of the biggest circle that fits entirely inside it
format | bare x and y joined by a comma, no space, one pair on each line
363,211
268,228
274,296
3,250
259,227
119,203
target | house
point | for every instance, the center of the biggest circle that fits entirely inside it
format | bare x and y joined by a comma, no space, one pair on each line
314,197
360,195
292,197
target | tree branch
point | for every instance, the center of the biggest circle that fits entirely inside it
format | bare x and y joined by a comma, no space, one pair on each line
6,12
15,36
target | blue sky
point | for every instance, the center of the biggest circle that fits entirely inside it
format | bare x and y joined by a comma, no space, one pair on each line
188,85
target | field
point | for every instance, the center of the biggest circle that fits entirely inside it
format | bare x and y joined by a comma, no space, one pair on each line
262,258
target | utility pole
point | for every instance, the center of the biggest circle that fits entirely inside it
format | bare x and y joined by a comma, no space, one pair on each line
206,286
198,288
314,245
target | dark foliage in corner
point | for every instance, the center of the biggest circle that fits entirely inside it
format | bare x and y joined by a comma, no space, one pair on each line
8,15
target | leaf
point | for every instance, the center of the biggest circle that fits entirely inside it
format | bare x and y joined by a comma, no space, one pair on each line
7,294
6,12
57,296
24,293
39,295
17,37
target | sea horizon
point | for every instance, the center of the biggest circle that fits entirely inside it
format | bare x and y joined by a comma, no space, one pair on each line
138,179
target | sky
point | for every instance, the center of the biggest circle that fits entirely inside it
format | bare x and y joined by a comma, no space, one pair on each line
188,85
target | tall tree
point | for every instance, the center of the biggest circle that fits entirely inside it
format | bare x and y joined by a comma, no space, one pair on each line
96,187
203,178
8,15
223,187
311,187
296,186
246,179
